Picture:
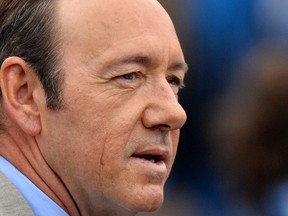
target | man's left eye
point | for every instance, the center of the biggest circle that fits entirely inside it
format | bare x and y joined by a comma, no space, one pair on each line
174,80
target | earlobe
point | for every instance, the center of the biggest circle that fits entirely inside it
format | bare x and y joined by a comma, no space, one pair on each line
19,85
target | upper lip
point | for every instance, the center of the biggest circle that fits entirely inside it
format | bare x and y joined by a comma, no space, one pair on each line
157,154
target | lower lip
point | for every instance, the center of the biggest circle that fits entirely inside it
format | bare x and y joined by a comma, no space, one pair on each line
158,168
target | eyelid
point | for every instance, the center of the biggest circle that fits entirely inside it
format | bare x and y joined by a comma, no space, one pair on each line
136,73
129,79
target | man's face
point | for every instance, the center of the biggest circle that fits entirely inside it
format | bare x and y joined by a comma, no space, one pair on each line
114,142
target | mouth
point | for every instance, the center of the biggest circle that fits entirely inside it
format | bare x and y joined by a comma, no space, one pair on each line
152,156
152,162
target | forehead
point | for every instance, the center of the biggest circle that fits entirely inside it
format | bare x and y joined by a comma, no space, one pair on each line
110,17
96,25
112,12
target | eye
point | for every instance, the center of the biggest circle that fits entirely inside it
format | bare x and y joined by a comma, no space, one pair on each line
129,80
130,76
174,80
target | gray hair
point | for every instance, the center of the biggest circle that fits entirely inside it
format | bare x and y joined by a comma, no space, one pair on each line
27,30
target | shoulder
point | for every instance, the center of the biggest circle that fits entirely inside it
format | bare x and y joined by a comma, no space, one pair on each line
12,202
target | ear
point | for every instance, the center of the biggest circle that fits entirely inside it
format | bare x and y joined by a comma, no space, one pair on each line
19,86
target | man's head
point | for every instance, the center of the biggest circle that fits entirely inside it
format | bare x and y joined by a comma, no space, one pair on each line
114,141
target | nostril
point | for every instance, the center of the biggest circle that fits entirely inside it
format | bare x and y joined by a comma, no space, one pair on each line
161,127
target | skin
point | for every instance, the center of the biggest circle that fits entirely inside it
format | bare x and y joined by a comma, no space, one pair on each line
123,67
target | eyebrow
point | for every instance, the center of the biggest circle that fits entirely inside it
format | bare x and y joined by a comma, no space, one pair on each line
138,59
179,66
148,61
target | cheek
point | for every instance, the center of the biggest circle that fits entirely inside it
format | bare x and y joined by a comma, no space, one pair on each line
106,143
116,149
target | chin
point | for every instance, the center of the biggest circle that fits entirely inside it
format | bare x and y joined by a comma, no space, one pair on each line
146,203
151,207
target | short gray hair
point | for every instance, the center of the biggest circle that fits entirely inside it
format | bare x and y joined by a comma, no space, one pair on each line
27,30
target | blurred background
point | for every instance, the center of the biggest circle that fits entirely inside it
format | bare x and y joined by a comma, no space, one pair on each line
233,149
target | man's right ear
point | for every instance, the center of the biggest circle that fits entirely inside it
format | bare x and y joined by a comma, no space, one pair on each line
19,85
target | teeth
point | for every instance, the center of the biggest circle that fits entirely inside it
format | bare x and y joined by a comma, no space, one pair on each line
152,161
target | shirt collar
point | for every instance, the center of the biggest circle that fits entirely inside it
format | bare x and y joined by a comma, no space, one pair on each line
39,202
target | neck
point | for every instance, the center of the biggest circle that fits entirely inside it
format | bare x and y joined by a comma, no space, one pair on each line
23,152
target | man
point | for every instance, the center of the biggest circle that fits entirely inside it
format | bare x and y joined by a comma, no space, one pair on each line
90,117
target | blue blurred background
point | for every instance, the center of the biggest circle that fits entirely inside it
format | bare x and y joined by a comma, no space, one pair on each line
216,37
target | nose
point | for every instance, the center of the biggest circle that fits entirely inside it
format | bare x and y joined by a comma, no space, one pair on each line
163,109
